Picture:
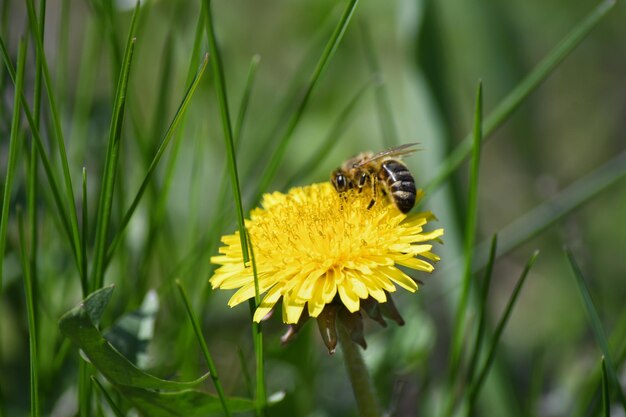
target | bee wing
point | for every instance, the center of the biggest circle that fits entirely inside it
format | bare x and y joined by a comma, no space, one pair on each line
406,149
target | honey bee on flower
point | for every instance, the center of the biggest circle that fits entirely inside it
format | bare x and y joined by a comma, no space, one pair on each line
317,254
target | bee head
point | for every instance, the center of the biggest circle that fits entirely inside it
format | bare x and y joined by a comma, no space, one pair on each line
339,181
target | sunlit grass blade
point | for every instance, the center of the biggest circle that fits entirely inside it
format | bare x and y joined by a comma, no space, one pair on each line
343,120
110,166
12,157
182,109
482,306
596,326
31,314
548,213
222,98
58,132
220,87
222,194
606,398
480,379
107,397
383,104
331,47
517,96
203,346
470,237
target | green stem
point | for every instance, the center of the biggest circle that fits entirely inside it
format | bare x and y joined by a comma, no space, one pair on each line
359,377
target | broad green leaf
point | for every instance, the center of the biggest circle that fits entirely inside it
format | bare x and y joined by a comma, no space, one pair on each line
132,333
78,325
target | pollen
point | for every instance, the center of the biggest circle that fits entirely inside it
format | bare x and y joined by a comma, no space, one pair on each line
313,246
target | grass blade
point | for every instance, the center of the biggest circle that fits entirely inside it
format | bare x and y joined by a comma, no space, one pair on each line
32,326
322,64
58,133
383,104
477,384
482,311
157,158
220,87
107,397
245,372
342,121
203,346
56,193
606,398
33,168
85,232
596,326
470,237
513,100
549,212
12,157
245,98
110,167
222,98
194,64
222,194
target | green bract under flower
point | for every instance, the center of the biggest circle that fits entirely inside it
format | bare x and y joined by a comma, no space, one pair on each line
312,246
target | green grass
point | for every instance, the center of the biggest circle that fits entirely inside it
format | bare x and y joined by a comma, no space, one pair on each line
133,139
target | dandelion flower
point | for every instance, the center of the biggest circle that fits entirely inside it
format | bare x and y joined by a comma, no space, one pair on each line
315,248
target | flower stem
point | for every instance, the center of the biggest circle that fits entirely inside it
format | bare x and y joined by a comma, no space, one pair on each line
359,377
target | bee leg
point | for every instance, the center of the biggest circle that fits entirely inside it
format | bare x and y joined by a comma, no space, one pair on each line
374,194
363,176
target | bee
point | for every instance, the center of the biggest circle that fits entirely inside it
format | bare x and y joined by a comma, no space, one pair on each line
384,169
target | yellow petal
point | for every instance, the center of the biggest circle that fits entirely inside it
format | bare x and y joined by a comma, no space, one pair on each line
415,263
292,310
401,279
268,302
348,297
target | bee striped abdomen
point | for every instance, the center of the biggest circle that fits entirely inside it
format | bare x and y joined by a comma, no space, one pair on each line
399,184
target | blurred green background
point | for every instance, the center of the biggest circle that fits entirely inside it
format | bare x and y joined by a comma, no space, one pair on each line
430,55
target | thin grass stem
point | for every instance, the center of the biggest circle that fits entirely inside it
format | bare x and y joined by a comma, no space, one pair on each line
475,356
31,314
388,127
516,97
205,350
116,410
606,397
480,379
110,166
596,326
549,212
222,98
156,160
58,132
470,237
329,50
343,120
85,234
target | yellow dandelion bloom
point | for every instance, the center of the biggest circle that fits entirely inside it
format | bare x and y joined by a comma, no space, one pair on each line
313,246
